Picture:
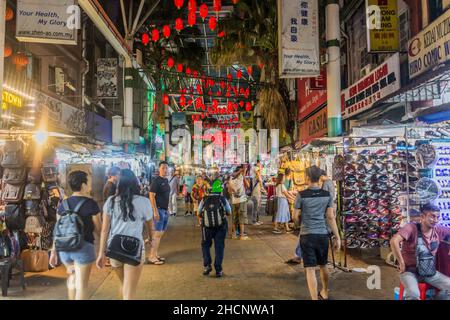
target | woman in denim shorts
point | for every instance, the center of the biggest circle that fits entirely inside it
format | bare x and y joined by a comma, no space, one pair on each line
79,263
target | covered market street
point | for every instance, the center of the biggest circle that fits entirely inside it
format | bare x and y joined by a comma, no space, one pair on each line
254,269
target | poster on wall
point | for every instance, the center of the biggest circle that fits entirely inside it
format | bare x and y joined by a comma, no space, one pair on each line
49,21
298,34
379,83
315,126
309,100
382,26
107,78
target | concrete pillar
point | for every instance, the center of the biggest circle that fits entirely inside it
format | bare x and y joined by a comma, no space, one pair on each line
333,38
128,105
2,46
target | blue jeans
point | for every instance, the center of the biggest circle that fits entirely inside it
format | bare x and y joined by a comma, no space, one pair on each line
218,235
85,255
163,222
411,283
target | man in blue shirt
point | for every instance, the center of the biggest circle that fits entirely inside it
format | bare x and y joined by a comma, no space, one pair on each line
213,210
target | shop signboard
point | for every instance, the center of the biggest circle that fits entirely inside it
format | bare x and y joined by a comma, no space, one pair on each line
178,119
107,78
309,100
10,99
382,26
246,120
98,127
381,82
430,47
314,127
298,31
59,115
48,21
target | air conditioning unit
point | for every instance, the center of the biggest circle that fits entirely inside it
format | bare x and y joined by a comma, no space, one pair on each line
366,70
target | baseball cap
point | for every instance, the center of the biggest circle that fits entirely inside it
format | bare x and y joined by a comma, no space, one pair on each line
217,187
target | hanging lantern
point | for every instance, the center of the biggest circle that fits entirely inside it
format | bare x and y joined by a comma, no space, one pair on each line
222,84
170,62
7,51
248,106
261,65
190,102
239,74
192,18
215,104
199,89
198,104
192,6
203,11
230,76
250,70
182,100
247,93
179,24
195,73
235,1
241,104
9,14
212,23
166,31
180,67
219,93
178,3
20,60
145,39
155,35
217,5
166,99
221,34
188,71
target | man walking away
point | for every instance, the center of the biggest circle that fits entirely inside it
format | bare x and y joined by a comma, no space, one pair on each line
159,198
315,204
174,183
213,211
239,203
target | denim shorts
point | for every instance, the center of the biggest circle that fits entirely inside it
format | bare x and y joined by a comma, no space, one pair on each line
161,225
85,255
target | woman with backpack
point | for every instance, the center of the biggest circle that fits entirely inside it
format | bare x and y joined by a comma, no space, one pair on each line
78,219
124,217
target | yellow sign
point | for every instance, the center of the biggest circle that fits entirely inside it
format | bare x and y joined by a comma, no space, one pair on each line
382,26
246,120
11,99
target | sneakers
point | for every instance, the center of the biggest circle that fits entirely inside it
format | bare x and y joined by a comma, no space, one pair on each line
219,274
245,237
207,270
273,231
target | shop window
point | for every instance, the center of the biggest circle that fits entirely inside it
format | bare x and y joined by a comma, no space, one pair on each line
435,10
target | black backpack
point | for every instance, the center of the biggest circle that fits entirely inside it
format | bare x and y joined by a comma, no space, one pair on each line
69,229
213,211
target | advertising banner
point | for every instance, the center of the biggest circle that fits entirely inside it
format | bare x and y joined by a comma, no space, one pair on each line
379,83
107,78
314,127
382,26
309,100
98,127
246,120
430,47
298,34
49,21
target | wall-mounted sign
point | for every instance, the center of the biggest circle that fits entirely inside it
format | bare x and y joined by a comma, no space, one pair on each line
319,82
298,34
314,127
10,99
107,78
381,82
430,47
382,26
46,21
308,100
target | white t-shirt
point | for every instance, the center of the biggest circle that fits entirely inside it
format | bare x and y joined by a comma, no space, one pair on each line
237,185
279,190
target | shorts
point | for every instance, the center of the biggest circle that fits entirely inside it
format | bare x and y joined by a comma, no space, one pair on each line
85,255
162,224
187,198
314,248
118,264
240,213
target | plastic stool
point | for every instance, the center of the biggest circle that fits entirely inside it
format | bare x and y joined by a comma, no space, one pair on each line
423,288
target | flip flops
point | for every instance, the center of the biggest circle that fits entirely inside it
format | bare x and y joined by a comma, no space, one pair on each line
293,261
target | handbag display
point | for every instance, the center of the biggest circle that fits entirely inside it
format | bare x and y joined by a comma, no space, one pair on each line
12,193
13,154
125,249
14,217
50,173
34,176
32,192
35,260
34,224
14,176
32,208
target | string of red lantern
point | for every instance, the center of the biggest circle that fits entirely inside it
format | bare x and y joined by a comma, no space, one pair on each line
203,11
178,3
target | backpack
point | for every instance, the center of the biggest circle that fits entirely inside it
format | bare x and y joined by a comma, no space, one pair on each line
13,154
69,229
213,211
32,192
15,176
12,193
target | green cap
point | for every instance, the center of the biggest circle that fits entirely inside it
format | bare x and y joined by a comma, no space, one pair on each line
217,187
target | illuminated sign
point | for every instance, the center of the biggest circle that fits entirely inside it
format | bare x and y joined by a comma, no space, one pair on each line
10,99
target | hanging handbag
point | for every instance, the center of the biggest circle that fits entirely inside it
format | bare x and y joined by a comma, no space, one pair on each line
32,192
34,176
14,217
34,224
34,260
14,176
32,208
13,154
425,260
50,173
125,249
12,193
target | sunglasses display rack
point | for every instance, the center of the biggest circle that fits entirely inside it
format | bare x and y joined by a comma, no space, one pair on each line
371,209
441,172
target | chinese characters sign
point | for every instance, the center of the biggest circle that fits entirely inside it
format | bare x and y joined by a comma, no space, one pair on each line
381,82
309,99
382,26
298,24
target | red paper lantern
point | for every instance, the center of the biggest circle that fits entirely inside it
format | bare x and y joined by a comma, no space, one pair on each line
170,62
9,14
247,93
192,6
235,1
248,106
204,11
241,104
155,35
215,104
222,84
145,39
178,3
195,73
166,31
221,34
250,70
239,74
166,99
180,67
179,24
230,76
188,71
182,100
199,89
7,51
217,5
192,18
212,23
20,60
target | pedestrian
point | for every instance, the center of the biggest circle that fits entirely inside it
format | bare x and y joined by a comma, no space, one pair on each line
239,203
124,216
258,190
174,183
316,208
283,198
419,244
159,198
77,260
188,182
110,186
213,210
199,191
